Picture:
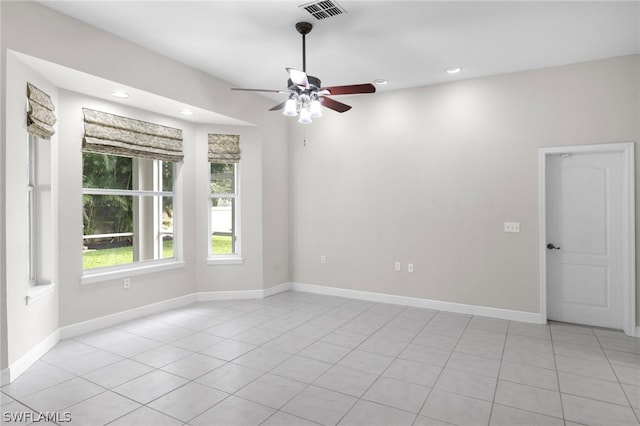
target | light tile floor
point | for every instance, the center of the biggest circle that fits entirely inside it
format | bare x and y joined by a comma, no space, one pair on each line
307,359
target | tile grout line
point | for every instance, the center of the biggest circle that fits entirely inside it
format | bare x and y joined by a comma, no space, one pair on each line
495,391
316,314
618,378
555,363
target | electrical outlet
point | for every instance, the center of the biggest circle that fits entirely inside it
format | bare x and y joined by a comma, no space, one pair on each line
127,282
323,259
410,267
397,266
512,227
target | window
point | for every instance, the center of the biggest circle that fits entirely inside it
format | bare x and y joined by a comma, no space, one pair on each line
32,257
223,210
39,238
127,209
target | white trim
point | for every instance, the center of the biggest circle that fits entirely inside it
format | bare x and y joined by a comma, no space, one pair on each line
127,192
109,320
131,270
278,288
225,260
508,314
10,374
627,149
33,355
39,291
207,296
242,294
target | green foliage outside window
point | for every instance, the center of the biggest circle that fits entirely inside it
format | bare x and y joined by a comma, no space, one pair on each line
107,213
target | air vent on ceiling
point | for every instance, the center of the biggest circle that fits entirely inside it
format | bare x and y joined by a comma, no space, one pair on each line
323,9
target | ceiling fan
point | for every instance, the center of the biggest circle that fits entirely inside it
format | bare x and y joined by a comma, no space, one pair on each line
306,94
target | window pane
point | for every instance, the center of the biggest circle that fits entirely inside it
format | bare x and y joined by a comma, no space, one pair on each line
107,214
127,228
107,252
222,178
167,176
166,228
106,171
222,229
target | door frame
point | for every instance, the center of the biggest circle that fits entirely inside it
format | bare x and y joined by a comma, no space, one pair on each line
628,226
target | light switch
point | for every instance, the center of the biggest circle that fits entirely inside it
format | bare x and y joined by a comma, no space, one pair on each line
512,227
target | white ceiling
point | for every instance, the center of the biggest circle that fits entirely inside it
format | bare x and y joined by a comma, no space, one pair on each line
249,43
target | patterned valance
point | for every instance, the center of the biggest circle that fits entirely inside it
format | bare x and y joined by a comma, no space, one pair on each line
112,134
40,116
224,148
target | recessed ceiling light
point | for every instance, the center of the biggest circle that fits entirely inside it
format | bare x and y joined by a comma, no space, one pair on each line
185,112
380,81
453,70
120,94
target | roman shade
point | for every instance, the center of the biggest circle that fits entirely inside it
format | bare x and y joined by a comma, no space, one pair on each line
224,148
40,116
112,134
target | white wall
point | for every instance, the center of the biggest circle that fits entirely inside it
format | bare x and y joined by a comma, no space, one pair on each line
446,164
4,364
428,176
248,275
84,302
27,325
65,41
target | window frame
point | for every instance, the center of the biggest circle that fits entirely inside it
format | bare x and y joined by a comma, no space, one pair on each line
32,229
236,242
36,288
158,264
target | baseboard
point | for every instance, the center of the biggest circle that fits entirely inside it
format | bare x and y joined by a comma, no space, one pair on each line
530,317
9,374
270,291
242,294
208,296
5,377
109,320
28,359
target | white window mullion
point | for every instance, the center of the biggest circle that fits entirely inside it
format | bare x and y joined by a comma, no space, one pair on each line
157,210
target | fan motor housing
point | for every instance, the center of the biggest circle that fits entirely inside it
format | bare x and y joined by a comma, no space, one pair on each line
314,84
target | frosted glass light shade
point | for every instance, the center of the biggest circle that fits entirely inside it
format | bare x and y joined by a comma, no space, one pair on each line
315,108
290,108
305,116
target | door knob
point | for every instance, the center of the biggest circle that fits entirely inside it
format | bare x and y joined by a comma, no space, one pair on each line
550,246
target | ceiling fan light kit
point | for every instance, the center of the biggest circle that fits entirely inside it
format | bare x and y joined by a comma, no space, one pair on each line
306,94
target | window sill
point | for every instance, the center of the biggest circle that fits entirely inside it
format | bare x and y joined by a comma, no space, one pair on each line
37,292
130,271
225,260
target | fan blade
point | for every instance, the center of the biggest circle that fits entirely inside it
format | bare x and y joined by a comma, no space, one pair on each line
259,90
299,78
277,107
334,105
351,90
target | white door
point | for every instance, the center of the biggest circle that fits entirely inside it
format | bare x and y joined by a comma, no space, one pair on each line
584,238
